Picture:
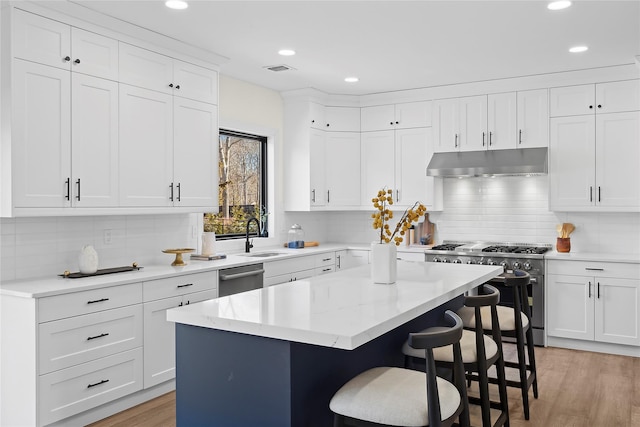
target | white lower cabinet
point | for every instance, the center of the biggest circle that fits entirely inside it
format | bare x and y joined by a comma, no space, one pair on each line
290,270
159,334
594,301
76,389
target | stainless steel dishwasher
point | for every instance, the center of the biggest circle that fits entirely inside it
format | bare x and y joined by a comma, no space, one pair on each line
240,279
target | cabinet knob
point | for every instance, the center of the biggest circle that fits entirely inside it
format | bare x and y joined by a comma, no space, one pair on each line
177,86
67,58
391,123
77,61
590,107
599,106
328,125
170,84
397,123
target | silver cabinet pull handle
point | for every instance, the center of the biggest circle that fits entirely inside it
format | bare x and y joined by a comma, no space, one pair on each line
240,275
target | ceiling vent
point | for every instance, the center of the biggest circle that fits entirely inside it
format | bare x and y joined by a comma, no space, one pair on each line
278,68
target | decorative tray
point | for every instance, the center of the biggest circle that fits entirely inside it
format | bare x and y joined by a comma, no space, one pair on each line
100,272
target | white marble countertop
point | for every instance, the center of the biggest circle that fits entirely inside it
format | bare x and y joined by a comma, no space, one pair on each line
343,309
592,256
55,285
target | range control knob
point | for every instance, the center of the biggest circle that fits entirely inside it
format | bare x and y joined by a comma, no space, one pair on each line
457,261
504,264
446,260
470,261
436,259
526,266
491,262
517,265
481,261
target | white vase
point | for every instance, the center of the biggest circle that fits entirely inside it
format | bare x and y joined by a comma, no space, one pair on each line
88,260
208,243
384,263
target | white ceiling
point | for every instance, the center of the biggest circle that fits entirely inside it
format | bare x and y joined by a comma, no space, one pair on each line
393,45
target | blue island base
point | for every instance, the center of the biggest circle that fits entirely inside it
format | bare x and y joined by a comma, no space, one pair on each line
228,379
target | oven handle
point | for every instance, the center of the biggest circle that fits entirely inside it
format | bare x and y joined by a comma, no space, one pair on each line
501,279
240,275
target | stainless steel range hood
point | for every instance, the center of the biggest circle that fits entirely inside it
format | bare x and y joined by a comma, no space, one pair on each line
520,161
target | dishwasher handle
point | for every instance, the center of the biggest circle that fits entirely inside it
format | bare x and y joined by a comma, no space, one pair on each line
223,277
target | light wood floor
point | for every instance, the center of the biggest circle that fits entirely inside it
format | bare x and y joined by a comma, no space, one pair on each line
577,389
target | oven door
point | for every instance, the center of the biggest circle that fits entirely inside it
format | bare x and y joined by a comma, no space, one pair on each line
535,293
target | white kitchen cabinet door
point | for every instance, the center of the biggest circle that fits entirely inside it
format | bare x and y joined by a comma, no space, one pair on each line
41,40
194,82
413,115
572,162
316,116
146,148
570,306
616,97
413,151
146,69
572,100
446,134
159,336
94,54
94,136
195,153
501,121
617,308
41,145
317,163
376,118
342,168
533,118
342,119
378,164
617,154
473,123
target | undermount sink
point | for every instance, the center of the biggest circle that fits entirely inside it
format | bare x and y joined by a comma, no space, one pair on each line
262,254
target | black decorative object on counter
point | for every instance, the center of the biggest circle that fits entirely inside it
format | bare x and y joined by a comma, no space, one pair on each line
77,275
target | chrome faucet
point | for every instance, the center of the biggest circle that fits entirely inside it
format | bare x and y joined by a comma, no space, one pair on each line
247,245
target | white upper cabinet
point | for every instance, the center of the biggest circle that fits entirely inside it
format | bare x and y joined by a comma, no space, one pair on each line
609,97
59,45
41,40
195,153
533,118
94,54
396,116
41,154
342,119
491,122
146,148
94,142
501,121
342,169
151,70
593,157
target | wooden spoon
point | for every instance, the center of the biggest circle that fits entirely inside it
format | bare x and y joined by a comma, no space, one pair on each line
569,229
559,230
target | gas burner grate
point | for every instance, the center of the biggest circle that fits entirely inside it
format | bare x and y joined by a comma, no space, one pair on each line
446,247
516,249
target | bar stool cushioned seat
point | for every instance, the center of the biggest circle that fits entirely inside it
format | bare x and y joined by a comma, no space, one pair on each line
392,396
505,314
467,345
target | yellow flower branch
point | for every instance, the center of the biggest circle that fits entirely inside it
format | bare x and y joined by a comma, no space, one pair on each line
383,214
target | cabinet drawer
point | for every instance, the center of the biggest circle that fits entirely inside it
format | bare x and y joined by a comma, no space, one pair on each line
85,302
179,285
594,268
67,342
328,259
73,390
276,268
325,269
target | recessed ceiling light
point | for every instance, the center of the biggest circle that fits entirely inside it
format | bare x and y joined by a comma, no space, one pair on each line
176,4
286,52
577,49
557,5
351,79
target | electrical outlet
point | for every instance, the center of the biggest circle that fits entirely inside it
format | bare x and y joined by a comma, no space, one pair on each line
106,236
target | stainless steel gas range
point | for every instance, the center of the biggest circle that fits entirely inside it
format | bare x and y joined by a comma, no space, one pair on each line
511,256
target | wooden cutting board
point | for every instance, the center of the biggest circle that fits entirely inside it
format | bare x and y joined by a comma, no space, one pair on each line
306,244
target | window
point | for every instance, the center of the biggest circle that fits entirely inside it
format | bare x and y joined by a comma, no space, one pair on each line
242,191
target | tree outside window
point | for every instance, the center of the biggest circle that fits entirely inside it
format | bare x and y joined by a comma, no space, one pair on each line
242,188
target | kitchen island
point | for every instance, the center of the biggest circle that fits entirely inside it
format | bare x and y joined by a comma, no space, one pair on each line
275,356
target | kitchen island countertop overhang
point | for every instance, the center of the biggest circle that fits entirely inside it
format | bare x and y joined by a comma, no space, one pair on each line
341,310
